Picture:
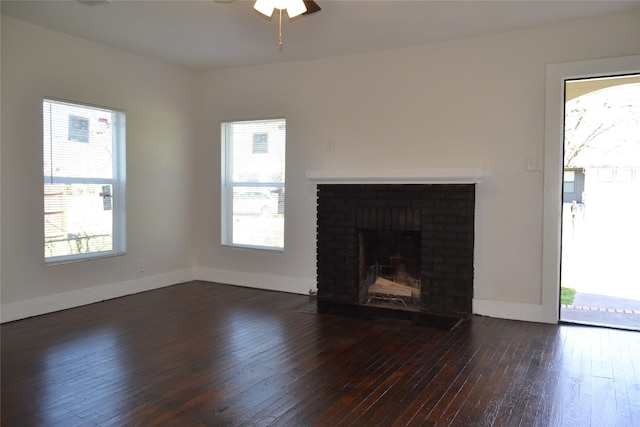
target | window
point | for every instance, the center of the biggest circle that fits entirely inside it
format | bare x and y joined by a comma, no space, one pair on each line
605,175
253,184
260,143
569,181
624,175
84,181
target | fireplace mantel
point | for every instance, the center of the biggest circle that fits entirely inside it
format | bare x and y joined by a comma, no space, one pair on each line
398,176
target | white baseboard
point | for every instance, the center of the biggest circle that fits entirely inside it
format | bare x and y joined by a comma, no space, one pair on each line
37,306
509,310
292,285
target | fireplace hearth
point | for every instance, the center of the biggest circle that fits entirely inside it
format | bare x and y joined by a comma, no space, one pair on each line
396,250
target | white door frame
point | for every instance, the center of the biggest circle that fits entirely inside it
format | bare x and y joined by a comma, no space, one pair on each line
557,74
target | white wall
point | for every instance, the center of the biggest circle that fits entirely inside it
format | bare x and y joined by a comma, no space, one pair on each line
470,103
159,101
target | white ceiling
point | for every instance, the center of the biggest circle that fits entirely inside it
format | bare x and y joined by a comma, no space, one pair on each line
205,35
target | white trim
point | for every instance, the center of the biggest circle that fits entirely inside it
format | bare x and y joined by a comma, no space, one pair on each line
557,74
510,310
399,176
49,304
293,285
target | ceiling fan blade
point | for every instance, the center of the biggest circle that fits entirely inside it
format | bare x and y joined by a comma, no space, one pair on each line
312,7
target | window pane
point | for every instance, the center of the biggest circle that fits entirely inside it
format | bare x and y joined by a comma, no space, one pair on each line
75,220
569,187
257,217
247,166
78,141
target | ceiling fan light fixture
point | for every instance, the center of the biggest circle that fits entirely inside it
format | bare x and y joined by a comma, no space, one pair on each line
265,7
293,7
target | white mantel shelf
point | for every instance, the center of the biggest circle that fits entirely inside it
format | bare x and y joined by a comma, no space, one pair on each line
398,176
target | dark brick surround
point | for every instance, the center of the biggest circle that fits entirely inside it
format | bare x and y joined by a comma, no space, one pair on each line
442,213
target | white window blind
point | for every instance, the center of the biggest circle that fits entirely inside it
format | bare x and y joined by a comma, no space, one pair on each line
84,181
253,183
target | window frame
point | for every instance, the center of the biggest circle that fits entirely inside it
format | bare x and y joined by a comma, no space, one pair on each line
117,181
227,183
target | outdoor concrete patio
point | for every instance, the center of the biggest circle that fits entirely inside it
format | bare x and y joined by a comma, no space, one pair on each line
603,310
600,257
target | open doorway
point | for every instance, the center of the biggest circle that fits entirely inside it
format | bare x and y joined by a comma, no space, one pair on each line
600,252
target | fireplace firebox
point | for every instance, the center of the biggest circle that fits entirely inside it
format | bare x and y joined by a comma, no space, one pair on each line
396,250
389,268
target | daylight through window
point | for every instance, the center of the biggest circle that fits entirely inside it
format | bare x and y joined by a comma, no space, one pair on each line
253,184
84,181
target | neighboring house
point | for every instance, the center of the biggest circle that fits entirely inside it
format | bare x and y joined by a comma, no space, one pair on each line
601,184
605,179
602,147
612,188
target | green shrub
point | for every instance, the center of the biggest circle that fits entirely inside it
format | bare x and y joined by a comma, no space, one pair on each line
567,295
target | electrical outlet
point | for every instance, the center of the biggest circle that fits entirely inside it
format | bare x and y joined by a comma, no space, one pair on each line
140,265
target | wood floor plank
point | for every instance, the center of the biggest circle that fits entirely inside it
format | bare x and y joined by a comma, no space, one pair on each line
426,371
201,353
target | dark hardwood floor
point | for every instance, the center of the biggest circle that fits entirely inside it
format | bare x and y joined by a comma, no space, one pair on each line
209,354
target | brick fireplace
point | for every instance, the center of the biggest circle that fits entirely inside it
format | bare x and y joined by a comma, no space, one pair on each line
396,249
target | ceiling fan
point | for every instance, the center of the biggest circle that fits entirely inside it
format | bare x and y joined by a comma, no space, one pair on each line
293,7
311,6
